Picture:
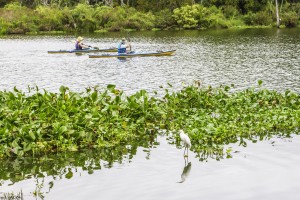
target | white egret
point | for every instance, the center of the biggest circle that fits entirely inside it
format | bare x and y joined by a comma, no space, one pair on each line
186,142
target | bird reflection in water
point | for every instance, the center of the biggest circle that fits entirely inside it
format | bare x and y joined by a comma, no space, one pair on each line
186,170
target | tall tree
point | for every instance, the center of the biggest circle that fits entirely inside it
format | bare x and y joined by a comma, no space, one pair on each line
277,14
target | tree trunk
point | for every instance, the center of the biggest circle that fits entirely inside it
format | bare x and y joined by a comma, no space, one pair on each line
109,3
277,15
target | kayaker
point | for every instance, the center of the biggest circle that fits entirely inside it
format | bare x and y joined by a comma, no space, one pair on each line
124,46
79,45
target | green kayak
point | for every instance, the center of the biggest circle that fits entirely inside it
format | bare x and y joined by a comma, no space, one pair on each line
133,54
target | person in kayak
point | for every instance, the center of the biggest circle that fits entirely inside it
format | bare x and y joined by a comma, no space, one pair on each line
124,46
79,45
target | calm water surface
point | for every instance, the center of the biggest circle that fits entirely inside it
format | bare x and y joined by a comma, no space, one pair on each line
265,170
239,57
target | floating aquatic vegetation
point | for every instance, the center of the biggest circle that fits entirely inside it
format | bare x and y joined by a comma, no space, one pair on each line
214,117
42,122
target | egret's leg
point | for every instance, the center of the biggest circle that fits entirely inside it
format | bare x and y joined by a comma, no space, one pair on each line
184,152
186,160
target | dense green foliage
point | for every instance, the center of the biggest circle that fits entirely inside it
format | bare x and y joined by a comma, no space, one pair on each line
26,16
213,117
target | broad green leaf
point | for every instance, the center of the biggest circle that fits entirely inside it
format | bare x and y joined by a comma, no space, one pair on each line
63,129
111,87
31,134
260,82
94,96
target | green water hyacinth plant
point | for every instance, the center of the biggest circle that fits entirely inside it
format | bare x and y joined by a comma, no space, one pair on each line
42,122
214,117
66,121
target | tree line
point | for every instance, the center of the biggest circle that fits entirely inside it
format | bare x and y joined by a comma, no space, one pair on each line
243,6
24,16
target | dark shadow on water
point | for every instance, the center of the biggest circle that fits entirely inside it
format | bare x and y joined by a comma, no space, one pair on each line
122,59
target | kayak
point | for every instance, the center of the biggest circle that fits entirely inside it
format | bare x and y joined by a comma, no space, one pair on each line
132,54
90,50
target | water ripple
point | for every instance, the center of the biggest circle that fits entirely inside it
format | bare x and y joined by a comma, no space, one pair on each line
215,57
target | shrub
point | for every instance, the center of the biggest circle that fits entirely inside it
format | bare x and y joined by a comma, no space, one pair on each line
290,14
103,15
236,23
3,26
260,18
83,18
18,19
217,21
212,17
14,6
140,21
186,16
67,20
230,11
50,18
249,18
118,17
290,19
164,19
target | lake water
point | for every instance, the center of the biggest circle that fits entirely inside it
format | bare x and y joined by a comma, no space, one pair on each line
265,170
239,57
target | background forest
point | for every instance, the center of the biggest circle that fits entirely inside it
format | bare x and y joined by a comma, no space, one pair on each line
86,16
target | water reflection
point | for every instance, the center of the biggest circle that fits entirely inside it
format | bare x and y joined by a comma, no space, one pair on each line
122,59
12,196
46,169
186,170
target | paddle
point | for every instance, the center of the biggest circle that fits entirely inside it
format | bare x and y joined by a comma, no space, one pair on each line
91,46
88,45
94,47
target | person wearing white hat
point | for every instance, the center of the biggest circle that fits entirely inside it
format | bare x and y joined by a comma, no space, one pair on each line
79,45
122,47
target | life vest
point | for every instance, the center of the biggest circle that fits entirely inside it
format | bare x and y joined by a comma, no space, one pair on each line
122,48
77,46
